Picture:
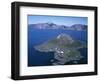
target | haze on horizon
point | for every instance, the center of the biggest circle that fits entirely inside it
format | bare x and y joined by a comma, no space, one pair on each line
60,20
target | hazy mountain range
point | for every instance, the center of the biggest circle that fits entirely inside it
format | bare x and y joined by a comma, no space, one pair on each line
56,26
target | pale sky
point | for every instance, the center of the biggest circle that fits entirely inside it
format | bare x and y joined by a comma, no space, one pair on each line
60,20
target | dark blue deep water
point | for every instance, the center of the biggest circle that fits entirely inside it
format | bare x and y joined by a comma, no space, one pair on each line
38,36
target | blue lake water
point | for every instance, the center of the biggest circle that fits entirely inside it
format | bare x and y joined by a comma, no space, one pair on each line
38,36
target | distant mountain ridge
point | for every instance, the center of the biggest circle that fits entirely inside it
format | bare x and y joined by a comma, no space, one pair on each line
56,26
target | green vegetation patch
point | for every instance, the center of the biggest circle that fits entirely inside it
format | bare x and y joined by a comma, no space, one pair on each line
73,53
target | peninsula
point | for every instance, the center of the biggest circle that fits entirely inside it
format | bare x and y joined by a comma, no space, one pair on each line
65,49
